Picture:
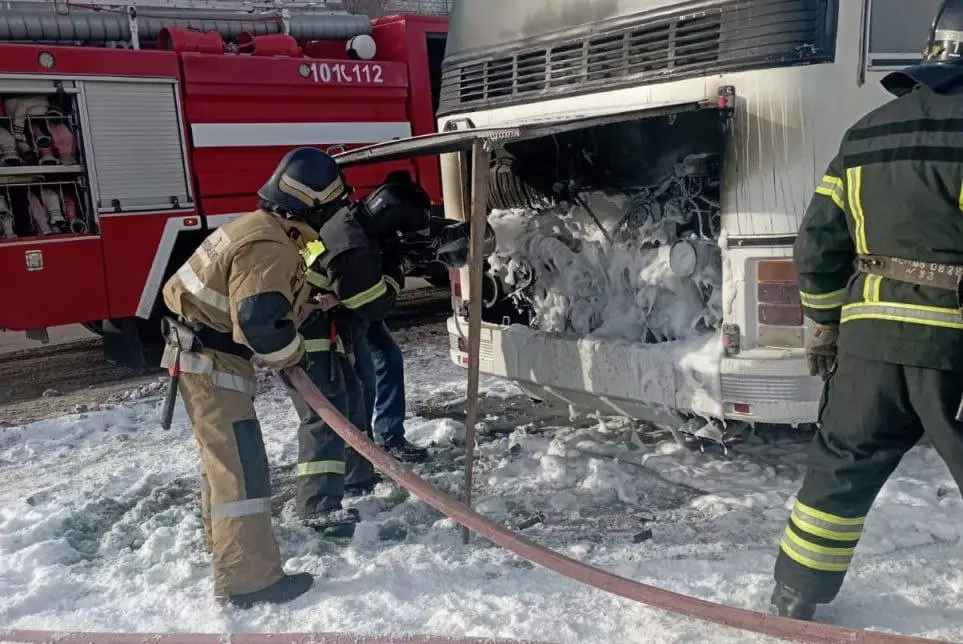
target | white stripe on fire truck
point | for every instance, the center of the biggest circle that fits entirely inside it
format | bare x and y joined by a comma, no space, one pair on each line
238,135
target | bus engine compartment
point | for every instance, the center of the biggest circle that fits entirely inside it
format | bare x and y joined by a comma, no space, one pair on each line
610,232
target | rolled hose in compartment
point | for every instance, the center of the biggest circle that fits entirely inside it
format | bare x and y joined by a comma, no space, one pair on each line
673,602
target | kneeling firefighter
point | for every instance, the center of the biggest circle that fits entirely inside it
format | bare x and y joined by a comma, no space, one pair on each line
356,284
889,205
238,296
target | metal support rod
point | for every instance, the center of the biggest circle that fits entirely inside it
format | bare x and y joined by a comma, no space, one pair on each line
479,221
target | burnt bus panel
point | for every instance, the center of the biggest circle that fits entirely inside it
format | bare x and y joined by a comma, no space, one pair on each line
556,49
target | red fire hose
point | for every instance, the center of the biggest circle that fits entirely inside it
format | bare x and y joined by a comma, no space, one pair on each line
571,568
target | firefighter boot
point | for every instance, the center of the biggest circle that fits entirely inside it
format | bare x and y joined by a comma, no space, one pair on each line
285,589
401,449
336,523
787,602
363,488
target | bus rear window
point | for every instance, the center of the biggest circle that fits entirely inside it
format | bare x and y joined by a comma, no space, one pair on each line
897,31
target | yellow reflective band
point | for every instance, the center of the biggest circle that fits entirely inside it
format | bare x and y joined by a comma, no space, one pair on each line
819,531
823,301
818,549
316,279
832,187
871,288
312,252
393,284
320,345
855,179
830,518
787,547
320,467
367,296
899,312
961,197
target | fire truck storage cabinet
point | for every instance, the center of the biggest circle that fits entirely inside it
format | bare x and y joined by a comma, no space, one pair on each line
43,184
78,155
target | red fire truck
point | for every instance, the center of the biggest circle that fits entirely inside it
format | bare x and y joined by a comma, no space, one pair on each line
128,133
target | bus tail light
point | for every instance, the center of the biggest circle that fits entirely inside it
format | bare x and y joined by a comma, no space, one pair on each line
779,310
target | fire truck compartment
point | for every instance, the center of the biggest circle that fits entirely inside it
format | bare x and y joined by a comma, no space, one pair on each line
91,144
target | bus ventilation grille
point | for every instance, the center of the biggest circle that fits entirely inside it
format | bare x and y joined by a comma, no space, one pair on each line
644,49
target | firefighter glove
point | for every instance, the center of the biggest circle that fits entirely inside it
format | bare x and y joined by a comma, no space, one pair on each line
821,349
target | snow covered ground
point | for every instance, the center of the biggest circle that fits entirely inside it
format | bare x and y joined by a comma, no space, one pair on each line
100,528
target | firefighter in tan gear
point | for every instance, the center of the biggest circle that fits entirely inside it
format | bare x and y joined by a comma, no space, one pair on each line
238,296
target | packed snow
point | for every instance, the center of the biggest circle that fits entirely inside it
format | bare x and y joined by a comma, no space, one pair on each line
100,527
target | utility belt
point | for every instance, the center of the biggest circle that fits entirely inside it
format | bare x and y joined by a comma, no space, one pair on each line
945,277
942,276
185,341
193,337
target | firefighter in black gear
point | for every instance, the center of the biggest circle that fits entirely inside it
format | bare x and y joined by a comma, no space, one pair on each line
879,258
353,283
322,452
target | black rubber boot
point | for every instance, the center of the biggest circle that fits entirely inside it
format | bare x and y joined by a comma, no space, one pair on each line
361,489
283,590
786,602
400,448
337,523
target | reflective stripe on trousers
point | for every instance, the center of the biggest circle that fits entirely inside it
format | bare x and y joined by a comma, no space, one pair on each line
236,509
320,467
820,540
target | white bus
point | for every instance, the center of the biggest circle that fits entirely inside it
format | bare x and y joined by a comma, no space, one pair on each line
666,152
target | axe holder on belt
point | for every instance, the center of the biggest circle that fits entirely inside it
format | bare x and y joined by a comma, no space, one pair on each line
182,338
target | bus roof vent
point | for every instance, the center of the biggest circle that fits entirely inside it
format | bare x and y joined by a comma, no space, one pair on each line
650,47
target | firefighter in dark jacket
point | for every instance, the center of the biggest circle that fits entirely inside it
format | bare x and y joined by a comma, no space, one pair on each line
239,296
352,284
879,258
378,358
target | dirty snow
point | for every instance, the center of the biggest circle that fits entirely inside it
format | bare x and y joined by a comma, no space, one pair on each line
99,528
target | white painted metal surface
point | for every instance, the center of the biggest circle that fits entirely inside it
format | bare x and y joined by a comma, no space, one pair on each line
787,127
